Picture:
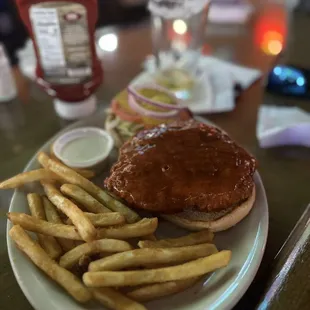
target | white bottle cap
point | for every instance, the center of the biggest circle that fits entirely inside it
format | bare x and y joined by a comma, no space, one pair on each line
75,110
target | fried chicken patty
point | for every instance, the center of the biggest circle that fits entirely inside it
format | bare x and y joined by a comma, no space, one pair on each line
183,165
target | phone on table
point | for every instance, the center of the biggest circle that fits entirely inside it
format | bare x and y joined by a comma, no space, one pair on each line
289,80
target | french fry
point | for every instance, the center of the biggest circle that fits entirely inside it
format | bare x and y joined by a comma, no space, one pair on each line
43,227
115,205
73,177
48,243
40,258
114,300
204,236
104,219
82,197
144,257
142,228
86,173
72,257
82,223
35,206
158,290
53,217
43,159
191,269
28,177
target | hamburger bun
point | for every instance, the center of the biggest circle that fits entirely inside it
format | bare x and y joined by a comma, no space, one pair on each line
225,222
189,173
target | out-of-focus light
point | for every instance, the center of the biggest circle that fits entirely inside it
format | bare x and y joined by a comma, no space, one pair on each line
283,76
274,47
300,81
108,42
272,43
270,30
277,70
179,26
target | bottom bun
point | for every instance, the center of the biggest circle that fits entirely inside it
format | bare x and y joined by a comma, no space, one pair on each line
223,223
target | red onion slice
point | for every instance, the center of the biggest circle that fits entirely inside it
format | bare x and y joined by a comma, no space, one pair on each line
133,90
124,115
148,113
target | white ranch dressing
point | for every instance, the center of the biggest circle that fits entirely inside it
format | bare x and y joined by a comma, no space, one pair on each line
85,148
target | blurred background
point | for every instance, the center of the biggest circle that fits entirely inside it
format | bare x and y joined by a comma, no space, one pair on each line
111,12
124,13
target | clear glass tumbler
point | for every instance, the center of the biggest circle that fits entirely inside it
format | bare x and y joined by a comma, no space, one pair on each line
178,32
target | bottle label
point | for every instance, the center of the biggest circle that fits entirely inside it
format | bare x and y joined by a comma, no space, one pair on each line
171,9
61,34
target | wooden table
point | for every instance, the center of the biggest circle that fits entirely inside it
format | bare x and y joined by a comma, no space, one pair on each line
285,171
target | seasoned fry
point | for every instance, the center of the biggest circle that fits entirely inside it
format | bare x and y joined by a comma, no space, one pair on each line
142,228
35,206
53,217
104,219
82,223
69,259
48,243
158,290
116,205
85,199
40,258
191,269
114,300
86,173
143,257
27,177
73,177
43,159
43,227
203,236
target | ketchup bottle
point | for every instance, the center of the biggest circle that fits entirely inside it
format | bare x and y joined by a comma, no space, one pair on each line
67,65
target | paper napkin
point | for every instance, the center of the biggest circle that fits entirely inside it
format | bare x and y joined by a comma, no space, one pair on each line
278,126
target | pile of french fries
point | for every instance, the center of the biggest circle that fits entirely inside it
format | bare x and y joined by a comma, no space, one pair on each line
87,242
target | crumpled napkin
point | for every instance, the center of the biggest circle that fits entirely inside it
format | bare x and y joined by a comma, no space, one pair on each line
278,126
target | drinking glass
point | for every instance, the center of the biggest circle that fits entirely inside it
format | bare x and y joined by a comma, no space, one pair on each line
178,31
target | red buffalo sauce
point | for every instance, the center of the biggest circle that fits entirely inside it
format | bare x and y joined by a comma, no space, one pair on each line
183,166
67,66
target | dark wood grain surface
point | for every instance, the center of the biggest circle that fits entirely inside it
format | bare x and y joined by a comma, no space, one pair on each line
289,281
285,171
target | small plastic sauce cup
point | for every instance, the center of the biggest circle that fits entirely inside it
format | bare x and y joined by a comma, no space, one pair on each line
85,147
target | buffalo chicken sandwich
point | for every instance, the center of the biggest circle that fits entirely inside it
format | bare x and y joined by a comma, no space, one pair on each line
191,173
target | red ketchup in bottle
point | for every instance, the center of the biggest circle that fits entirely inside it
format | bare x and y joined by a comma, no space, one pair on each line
67,65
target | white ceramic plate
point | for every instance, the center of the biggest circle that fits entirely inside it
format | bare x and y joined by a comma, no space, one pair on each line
220,290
